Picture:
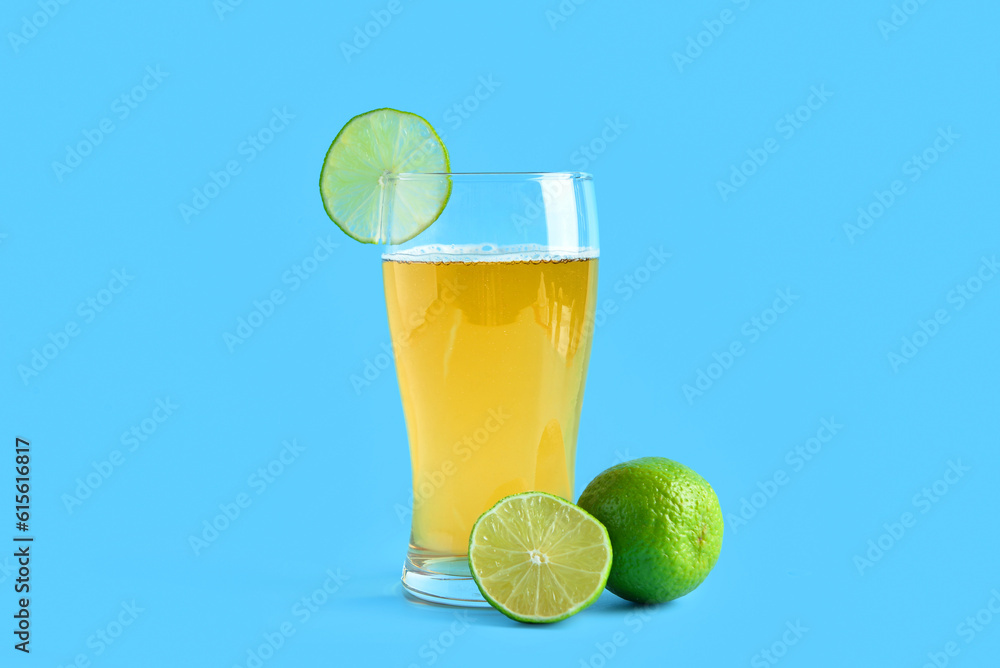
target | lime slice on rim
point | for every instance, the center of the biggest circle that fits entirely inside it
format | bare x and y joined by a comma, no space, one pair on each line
356,194
539,558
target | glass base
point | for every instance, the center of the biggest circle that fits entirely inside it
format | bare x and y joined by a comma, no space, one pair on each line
442,580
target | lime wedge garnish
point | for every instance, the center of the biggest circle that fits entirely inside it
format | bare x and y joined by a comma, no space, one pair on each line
539,558
356,194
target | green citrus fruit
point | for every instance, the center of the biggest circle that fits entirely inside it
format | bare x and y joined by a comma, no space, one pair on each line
539,558
357,193
665,525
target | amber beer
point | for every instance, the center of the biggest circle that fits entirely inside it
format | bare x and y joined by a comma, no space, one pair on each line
491,352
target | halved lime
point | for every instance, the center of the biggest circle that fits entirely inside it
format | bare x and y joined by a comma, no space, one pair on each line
353,184
539,558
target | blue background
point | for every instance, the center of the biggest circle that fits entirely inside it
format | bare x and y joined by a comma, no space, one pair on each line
796,555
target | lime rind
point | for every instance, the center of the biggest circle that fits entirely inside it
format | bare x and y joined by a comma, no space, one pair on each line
551,582
356,194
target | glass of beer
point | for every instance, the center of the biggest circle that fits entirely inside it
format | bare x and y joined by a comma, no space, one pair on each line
491,311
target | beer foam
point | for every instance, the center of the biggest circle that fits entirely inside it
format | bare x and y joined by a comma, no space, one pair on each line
439,253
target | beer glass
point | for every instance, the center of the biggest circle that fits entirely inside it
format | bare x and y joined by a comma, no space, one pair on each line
491,312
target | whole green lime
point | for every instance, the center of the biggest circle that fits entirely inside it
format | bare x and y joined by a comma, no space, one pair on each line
665,525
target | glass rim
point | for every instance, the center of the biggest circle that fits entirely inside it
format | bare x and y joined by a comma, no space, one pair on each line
575,176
